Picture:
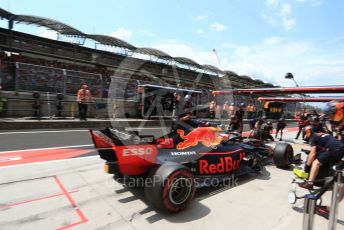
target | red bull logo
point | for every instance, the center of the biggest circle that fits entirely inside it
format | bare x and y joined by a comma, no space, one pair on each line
208,136
225,165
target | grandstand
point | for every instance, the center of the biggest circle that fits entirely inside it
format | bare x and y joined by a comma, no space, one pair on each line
32,63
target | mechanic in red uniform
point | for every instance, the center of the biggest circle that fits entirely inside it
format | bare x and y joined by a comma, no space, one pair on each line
335,112
83,98
301,120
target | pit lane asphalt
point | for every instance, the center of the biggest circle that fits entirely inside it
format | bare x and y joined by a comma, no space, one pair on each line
77,194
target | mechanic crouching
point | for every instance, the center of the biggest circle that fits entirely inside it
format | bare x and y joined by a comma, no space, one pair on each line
262,130
267,131
235,125
325,150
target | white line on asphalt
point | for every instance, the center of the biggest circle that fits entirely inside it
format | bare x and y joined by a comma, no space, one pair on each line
45,162
10,158
60,147
47,131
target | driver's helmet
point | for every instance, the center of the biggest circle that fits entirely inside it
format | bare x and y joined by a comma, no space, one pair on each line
232,104
309,131
282,119
330,108
269,122
242,104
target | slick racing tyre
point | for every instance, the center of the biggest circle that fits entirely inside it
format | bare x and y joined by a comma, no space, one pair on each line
170,187
283,155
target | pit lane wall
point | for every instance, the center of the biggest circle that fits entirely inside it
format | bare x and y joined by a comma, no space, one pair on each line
20,104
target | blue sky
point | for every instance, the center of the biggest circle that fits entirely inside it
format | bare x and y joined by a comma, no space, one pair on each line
260,38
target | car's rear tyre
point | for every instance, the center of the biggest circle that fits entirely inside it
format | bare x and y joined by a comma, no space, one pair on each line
283,155
170,187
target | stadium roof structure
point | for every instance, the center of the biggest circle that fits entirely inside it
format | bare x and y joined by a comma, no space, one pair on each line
153,52
79,37
259,81
245,77
230,73
186,61
268,85
49,23
112,41
5,14
212,68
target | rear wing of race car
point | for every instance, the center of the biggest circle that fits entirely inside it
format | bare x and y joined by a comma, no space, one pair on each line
109,138
106,140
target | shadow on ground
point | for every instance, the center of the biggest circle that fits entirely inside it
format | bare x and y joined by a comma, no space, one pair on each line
196,210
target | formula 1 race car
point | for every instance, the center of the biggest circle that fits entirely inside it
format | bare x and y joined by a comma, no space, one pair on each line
175,165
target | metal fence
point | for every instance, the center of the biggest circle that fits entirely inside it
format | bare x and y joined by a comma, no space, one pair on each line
31,77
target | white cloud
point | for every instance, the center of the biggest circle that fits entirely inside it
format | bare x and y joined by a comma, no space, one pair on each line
271,3
279,13
200,17
316,2
178,49
273,57
288,24
218,27
313,3
122,33
46,33
147,33
285,10
200,32
270,59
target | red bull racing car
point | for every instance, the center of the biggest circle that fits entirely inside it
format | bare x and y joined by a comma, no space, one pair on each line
175,165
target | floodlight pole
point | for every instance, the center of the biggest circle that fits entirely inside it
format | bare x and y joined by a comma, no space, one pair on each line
217,57
291,76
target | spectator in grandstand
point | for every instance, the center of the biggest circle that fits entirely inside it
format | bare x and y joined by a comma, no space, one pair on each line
83,98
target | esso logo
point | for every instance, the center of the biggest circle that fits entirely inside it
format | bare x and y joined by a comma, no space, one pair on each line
136,152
